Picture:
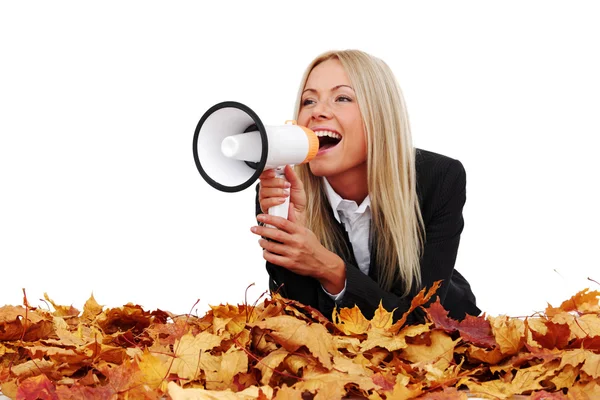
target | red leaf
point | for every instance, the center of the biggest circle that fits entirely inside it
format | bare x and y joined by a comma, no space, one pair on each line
588,343
557,336
476,330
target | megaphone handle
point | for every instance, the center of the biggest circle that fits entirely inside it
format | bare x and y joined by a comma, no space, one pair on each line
282,209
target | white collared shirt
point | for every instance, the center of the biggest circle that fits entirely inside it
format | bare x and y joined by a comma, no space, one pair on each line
357,222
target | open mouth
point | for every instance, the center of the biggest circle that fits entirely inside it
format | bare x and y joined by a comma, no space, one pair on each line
328,139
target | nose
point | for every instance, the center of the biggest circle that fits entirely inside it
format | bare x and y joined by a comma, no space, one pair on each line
321,111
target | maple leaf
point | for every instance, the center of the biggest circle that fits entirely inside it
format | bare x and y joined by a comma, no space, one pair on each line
233,362
390,341
37,387
565,378
509,334
91,309
269,363
62,311
351,321
556,336
17,323
584,391
420,299
476,330
176,392
192,356
543,395
448,393
330,384
154,370
441,348
582,302
490,357
292,333
285,392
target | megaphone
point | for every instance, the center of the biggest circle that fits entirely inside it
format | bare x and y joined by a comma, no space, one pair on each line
232,148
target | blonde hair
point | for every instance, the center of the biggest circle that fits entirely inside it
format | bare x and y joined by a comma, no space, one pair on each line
397,223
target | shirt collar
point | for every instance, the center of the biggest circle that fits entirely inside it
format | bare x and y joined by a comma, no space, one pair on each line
335,200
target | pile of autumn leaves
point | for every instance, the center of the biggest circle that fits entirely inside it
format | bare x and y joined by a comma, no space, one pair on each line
281,349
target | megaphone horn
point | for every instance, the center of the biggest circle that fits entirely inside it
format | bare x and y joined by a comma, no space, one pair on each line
232,147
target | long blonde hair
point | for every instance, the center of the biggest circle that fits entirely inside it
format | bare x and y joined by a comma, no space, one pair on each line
397,223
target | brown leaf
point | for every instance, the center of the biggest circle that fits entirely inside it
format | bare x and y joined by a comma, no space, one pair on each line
476,330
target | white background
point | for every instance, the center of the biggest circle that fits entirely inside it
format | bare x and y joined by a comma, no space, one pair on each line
99,101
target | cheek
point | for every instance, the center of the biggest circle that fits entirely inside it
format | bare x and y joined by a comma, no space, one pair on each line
303,118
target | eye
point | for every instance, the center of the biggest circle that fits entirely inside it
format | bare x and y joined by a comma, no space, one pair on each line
307,102
344,98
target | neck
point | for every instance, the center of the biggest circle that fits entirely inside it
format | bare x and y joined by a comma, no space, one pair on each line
351,184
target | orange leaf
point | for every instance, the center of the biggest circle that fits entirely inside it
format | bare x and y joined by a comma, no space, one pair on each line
351,321
583,301
37,387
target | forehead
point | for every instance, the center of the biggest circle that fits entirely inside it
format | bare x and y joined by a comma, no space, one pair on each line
327,75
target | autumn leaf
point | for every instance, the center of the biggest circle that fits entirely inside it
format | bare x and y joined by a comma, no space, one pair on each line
583,301
351,321
476,330
293,351
269,363
509,334
176,392
191,355
292,333
37,387
441,348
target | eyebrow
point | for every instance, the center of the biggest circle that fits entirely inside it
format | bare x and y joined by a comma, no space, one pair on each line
332,89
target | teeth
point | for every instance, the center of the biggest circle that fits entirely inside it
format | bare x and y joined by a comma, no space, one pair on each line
329,133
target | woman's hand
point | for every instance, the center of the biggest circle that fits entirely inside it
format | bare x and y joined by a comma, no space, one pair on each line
273,192
297,249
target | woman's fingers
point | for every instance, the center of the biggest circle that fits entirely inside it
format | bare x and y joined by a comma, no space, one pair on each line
273,247
266,192
279,222
267,203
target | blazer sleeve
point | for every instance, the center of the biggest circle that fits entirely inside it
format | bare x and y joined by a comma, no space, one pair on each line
443,227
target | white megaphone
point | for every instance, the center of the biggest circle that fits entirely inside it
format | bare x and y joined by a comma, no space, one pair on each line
232,148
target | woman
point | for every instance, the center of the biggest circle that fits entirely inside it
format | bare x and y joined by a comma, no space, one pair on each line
371,218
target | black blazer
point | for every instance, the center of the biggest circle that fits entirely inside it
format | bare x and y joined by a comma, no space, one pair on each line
441,189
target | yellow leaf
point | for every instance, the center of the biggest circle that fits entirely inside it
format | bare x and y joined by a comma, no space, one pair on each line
268,364
351,321
592,365
390,341
574,357
509,334
441,348
153,369
91,309
293,333
382,319
565,378
584,391
191,355
176,392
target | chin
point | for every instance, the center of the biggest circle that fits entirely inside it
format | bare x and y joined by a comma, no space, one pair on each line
318,168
